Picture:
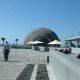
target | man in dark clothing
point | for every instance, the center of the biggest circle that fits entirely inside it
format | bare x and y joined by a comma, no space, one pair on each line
6,51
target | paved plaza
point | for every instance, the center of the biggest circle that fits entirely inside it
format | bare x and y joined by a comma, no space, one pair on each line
27,64
18,60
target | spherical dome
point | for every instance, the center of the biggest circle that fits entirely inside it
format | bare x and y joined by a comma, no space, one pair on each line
41,34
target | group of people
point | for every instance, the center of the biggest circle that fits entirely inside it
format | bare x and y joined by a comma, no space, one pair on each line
6,50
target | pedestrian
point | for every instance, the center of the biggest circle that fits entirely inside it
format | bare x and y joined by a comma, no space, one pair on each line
6,51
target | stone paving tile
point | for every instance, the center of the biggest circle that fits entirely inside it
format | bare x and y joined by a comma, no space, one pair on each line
26,73
33,77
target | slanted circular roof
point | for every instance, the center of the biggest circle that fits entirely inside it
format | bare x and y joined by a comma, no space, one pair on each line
42,34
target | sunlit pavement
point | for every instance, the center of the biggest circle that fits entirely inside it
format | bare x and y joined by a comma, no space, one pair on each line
18,59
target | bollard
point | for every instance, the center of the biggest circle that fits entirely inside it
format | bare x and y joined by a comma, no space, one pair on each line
47,59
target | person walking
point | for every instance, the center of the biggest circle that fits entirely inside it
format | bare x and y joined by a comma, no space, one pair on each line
6,51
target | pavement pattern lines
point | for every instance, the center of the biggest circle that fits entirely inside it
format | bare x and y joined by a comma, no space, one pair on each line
26,73
41,73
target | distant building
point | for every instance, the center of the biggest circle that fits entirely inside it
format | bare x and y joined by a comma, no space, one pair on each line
74,41
41,34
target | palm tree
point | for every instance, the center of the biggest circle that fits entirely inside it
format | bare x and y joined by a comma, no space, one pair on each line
3,39
16,41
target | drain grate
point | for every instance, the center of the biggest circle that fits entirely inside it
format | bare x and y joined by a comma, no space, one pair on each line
26,73
42,73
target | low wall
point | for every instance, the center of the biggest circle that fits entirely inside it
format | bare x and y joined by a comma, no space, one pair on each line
64,67
75,50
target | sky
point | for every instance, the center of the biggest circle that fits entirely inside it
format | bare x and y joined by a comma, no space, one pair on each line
19,17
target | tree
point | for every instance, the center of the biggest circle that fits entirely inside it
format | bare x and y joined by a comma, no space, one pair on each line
16,41
3,39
